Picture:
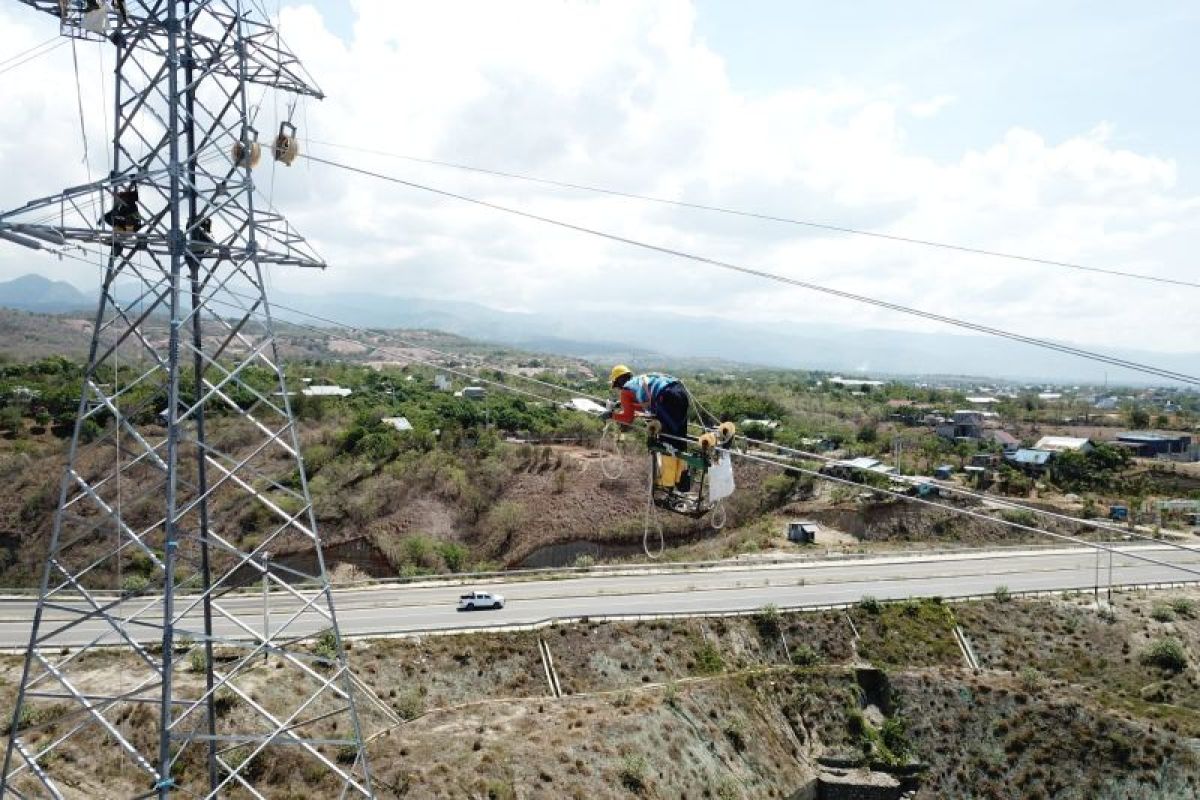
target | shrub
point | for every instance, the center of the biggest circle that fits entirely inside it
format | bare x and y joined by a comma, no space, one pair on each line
1184,607
326,646
895,737
727,789
1166,653
135,583
584,560
805,656
857,724
767,621
1162,612
633,773
708,659
507,518
1002,594
870,605
1020,516
454,555
410,705
1031,679
735,732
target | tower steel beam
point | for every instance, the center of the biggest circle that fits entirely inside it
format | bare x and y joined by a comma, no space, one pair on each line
184,473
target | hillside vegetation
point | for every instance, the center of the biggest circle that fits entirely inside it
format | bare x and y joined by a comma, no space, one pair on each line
493,483
1071,702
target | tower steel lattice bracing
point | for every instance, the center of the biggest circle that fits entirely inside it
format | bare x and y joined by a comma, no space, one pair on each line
184,474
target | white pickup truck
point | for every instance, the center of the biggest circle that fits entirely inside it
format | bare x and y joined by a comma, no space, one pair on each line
474,600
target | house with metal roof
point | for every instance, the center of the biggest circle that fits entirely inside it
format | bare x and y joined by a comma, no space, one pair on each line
852,468
1062,444
1003,438
585,405
326,391
1152,444
1031,460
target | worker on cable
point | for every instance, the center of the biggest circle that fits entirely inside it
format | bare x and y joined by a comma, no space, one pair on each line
661,396
664,398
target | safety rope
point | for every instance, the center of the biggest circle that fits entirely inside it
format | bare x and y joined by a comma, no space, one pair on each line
79,99
651,520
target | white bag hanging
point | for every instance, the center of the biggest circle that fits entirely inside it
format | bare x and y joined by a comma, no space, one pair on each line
720,479
96,20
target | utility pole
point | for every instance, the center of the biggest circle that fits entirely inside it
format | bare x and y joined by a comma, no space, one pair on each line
184,444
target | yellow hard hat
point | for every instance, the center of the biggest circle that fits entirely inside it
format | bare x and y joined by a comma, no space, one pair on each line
617,372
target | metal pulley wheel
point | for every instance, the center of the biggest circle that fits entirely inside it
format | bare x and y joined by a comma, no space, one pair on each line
287,146
246,157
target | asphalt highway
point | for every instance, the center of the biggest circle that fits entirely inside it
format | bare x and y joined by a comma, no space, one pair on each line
398,609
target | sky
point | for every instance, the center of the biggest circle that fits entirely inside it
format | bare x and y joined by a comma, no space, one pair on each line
1063,131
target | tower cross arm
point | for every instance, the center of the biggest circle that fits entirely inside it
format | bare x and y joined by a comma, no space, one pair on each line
141,24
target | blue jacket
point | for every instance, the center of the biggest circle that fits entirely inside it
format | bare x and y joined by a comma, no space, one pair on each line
646,388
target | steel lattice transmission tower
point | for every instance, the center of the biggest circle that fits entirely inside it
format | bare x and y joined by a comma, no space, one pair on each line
184,472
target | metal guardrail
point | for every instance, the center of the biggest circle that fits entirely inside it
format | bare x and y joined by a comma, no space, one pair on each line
619,570
626,570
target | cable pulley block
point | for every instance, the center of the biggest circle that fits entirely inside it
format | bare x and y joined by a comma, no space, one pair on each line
287,146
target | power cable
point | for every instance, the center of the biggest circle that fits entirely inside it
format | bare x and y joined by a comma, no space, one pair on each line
760,459
24,53
771,276
979,251
985,498
970,513
1005,502
505,387
33,57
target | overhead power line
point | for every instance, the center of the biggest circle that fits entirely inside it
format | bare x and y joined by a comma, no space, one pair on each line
39,46
790,465
771,276
30,55
376,347
825,226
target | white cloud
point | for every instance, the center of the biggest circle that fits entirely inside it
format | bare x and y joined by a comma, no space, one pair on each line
931,107
624,94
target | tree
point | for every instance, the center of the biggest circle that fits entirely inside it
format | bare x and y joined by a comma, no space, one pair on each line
1137,416
10,419
868,433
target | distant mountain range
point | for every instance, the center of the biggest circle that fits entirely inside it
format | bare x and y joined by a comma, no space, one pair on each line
35,293
669,338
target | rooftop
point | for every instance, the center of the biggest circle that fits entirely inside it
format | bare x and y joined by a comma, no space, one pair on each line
1061,443
1151,436
1029,456
325,391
